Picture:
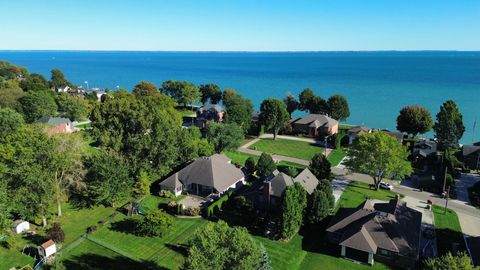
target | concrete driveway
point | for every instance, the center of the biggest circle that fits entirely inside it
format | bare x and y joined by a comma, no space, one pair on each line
461,186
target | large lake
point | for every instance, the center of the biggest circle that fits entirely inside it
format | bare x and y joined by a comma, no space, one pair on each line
376,84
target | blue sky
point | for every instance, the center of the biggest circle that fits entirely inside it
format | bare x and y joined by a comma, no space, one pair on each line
243,25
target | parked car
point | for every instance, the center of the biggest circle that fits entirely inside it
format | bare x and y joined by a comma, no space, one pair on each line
385,185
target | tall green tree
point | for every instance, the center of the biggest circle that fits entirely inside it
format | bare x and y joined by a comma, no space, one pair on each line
320,167
274,115
291,103
68,167
338,107
142,185
10,95
265,165
226,136
72,107
191,145
239,111
227,95
449,126
108,179
294,203
38,104
10,121
145,88
157,223
325,186
210,91
34,82
250,165
5,206
306,99
414,120
318,105
9,71
182,91
58,79
219,247
379,155
317,208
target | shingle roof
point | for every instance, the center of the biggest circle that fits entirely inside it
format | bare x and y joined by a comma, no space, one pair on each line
307,180
48,244
280,181
215,171
53,121
469,149
391,226
357,130
319,119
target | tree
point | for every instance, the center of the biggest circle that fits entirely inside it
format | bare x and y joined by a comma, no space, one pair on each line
56,233
38,104
325,186
265,165
449,126
191,145
250,165
318,207
157,223
292,171
145,88
274,115
293,205
72,107
10,95
318,105
142,186
10,71
239,111
414,120
5,208
291,103
227,95
182,91
460,261
379,155
223,137
10,121
338,107
321,167
58,80
306,97
219,247
34,82
210,92
68,167
107,179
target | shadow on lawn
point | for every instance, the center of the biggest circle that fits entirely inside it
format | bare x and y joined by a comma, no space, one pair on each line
181,249
93,261
314,239
449,240
128,225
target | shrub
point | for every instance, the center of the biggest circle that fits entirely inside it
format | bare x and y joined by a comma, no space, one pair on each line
192,211
91,229
166,194
156,223
56,233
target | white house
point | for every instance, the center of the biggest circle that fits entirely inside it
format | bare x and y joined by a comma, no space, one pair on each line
20,226
47,249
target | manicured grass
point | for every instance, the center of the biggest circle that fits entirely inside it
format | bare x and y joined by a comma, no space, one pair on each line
357,192
84,126
162,251
240,158
290,148
336,156
13,258
292,256
152,202
447,228
76,221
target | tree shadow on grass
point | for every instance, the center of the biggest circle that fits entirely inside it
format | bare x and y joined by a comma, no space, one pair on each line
314,239
181,249
128,225
449,240
35,239
93,261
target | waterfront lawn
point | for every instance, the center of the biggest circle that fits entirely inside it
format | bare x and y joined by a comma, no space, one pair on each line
447,228
165,252
13,258
289,148
357,192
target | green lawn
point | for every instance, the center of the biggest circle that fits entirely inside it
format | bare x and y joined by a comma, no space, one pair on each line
240,158
151,202
447,228
161,251
289,148
357,192
336,156
13,258
84,126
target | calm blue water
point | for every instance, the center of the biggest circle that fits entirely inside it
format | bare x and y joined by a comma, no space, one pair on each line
377,84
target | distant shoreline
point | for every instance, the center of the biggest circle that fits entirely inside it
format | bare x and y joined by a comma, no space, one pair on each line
240,51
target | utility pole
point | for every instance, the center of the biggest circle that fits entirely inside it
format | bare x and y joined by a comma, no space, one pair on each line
445,178
326,146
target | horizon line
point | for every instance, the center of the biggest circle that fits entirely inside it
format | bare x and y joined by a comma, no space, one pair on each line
232,51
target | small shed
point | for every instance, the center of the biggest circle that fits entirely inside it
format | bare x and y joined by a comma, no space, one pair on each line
20,226
47,249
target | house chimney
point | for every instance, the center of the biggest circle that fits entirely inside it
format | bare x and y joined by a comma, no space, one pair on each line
267,189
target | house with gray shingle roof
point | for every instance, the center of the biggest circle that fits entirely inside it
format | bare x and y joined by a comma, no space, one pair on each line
56,124
388,232
356,131
315,125
205,176
211,112
274,186
471,156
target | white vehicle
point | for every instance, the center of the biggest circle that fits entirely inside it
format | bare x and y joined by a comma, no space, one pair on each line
384,185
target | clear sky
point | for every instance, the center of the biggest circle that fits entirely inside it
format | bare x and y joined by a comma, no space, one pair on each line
240,25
